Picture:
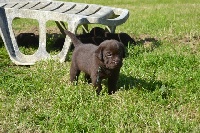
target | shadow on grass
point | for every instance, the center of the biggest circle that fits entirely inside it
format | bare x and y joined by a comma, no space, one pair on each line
55,42
151,85
30,40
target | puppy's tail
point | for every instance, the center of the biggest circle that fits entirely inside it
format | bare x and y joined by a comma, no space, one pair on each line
73,37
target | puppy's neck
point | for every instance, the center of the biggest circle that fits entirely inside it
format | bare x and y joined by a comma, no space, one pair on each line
104,70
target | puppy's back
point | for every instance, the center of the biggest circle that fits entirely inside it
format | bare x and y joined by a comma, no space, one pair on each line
83,56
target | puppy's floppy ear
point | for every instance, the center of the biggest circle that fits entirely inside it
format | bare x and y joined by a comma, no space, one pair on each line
99,53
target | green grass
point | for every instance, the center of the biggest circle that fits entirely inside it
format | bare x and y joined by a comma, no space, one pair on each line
159,83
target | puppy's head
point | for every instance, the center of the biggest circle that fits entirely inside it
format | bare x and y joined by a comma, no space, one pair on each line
111,53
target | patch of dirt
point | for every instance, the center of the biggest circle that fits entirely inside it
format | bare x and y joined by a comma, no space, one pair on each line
190,40
149,42
35,30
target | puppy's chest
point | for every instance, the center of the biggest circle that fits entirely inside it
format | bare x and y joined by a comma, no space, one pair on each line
104,73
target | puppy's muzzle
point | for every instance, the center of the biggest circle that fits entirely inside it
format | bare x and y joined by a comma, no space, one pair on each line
117,63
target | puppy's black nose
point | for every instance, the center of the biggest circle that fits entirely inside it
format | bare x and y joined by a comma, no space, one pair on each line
116,61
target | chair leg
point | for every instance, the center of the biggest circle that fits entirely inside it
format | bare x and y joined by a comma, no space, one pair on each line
62,56
85,28
9,39
111,29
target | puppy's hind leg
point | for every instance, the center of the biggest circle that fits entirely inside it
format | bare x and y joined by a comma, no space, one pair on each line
97,84
74,73
87,78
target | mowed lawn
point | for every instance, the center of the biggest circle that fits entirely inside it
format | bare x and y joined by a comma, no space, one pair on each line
158,88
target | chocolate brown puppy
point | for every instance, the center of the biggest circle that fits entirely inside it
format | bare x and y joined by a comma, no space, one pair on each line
97,62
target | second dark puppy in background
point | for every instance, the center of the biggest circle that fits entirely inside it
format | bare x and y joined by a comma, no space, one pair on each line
97,35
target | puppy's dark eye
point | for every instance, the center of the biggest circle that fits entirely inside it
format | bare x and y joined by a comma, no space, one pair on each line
109,55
